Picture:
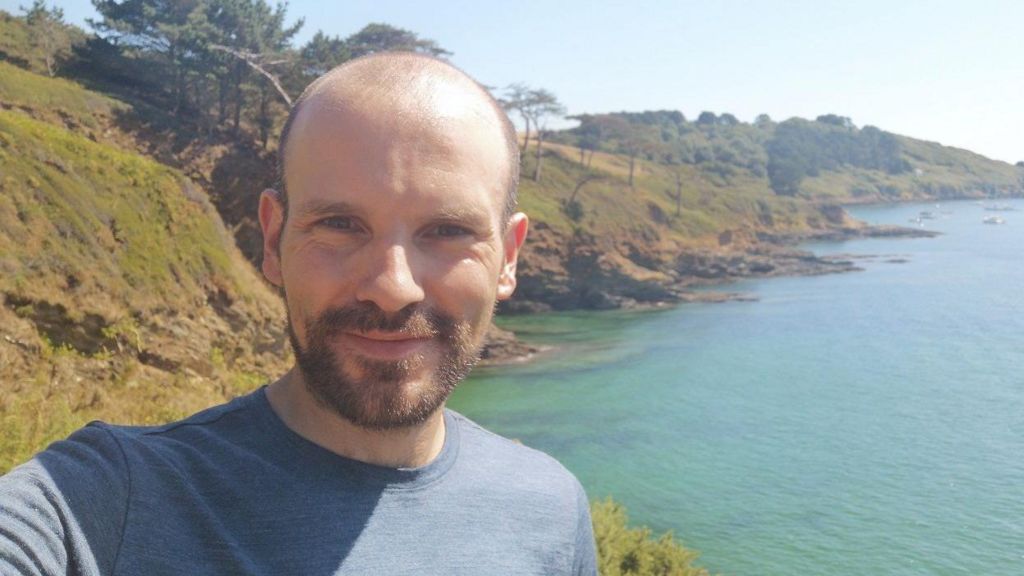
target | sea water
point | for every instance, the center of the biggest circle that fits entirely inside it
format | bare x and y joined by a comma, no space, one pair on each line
861,423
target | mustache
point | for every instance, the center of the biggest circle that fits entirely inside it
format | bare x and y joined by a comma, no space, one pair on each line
414,321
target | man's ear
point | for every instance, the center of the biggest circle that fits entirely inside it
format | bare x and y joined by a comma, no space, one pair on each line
272,221
515,234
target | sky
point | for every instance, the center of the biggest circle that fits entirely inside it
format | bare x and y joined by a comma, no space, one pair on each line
951,72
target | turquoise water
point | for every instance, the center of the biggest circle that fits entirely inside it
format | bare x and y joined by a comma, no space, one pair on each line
861,423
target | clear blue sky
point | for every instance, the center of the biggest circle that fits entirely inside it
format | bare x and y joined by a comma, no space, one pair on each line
947,71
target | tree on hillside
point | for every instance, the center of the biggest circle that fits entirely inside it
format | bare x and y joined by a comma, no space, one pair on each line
227,54
727,119
535,106
633,135
321,54
517,99
544,107
251,37
379,37
49,33
573,208
634,140
168,30
216,63
589,136
835,120
707,118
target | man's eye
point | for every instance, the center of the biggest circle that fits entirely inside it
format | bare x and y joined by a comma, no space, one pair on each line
338,223
451,231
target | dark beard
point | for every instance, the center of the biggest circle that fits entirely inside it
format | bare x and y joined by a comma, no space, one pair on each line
375,397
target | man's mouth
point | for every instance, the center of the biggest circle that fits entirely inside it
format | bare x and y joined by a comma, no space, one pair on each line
386,345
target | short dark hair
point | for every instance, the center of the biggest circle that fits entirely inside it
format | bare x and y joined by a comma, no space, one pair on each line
508,130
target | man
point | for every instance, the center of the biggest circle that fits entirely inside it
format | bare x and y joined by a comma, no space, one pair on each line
391,237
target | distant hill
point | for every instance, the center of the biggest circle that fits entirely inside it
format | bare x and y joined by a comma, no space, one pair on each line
635,207
825,160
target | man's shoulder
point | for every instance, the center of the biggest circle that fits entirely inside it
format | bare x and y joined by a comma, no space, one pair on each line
499,456
221,420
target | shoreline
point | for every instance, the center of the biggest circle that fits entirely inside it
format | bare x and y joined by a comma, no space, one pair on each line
778,256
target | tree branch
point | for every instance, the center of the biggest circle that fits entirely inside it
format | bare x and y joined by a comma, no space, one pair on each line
251,60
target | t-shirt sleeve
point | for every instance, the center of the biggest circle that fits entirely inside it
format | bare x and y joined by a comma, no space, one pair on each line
585,560
63,512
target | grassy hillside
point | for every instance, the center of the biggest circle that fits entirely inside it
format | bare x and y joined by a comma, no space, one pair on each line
825,160
123,295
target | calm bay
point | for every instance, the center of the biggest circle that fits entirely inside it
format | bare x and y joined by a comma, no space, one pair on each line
870,422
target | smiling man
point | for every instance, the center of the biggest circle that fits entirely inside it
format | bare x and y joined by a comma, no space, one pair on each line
391,238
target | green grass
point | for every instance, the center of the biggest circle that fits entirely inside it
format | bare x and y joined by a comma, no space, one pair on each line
63,98
710,205
122,296
105,216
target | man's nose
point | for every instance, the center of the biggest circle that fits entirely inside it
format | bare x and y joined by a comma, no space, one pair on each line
391,281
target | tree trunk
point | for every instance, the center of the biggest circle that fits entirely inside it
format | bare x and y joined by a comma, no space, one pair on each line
48,53
540,148
632,166
239,95
264,120
526,137
238,109
222,99
177,79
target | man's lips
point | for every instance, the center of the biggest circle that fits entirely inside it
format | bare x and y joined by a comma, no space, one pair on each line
385,345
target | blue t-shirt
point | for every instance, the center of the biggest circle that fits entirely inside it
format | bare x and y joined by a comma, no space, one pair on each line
232,490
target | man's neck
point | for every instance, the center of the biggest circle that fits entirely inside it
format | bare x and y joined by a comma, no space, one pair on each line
403,448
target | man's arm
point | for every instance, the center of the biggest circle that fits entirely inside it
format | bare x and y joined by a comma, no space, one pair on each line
63,512
585,560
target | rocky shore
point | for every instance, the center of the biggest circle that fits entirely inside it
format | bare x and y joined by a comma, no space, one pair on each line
562,276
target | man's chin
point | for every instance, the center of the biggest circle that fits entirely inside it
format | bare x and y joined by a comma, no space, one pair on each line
381,395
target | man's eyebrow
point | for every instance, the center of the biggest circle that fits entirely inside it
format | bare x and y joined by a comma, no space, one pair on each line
462,213
325,207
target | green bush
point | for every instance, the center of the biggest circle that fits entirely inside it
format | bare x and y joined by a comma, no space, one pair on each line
623,550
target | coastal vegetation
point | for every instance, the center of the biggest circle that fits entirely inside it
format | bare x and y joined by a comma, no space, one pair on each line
130,159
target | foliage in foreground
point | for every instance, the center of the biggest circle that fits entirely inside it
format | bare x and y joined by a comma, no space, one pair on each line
623,550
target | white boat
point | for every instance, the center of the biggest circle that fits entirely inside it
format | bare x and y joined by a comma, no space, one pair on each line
993,220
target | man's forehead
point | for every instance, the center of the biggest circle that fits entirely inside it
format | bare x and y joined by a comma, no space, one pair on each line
397,89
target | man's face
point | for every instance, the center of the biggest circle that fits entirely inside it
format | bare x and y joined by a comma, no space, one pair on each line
391,258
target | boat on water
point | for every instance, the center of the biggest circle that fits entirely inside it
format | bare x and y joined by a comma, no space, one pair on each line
926,215
993,220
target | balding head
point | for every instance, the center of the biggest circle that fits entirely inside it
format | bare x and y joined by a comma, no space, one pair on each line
400,91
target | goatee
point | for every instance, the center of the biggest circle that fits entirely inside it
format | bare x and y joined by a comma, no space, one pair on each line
377,394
